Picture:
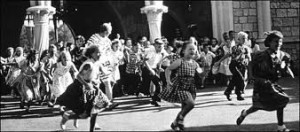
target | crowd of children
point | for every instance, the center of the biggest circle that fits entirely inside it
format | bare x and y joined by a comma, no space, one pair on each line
85,79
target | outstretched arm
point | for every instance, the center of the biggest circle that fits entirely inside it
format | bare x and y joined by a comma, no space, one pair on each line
168,71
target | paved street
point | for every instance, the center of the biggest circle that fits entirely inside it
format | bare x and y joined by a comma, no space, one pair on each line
212,113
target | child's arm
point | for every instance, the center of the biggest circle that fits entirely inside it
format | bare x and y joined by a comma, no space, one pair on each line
74,71
168,71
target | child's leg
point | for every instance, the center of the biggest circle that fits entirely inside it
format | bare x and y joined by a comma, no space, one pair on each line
186,107
108,89
244,113
93,122
280,116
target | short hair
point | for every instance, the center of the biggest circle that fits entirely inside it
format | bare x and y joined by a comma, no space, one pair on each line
115,41
184,47
31,54
90,50
205,45
215,39
241,34
231,31
80,37
136,44
271,35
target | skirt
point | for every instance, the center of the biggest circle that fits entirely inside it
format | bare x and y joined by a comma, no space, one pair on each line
268,96
182,89
29,87
77,100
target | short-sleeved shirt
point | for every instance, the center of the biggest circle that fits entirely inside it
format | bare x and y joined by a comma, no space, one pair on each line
240,53
155,58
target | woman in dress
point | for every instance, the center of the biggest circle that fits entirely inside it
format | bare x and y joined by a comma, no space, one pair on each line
266,68
182,88
61,74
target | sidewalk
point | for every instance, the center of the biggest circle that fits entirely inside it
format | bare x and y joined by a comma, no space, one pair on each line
212,113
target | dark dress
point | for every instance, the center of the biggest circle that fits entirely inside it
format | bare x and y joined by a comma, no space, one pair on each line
267,95
72,98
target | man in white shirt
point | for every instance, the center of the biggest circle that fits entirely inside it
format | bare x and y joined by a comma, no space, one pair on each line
151,73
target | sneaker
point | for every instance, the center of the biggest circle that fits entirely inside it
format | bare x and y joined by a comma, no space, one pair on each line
97,127
283,129
241,118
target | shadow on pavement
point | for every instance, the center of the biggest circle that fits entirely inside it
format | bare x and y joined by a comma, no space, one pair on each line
10,107
244,127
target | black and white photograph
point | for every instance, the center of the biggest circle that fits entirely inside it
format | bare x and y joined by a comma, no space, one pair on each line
149,65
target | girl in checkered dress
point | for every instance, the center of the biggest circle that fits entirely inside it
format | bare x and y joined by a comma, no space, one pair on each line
182,88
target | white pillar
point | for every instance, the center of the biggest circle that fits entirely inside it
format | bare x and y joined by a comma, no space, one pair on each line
264,19
41,13
154,11
222,17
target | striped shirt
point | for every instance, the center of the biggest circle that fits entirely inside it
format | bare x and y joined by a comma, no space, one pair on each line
104,43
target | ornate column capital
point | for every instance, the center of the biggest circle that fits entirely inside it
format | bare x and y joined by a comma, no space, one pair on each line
41,13
156,9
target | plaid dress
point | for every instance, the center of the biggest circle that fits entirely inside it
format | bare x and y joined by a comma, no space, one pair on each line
183,86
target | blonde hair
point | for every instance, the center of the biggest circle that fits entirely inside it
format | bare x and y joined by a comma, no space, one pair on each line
240,35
